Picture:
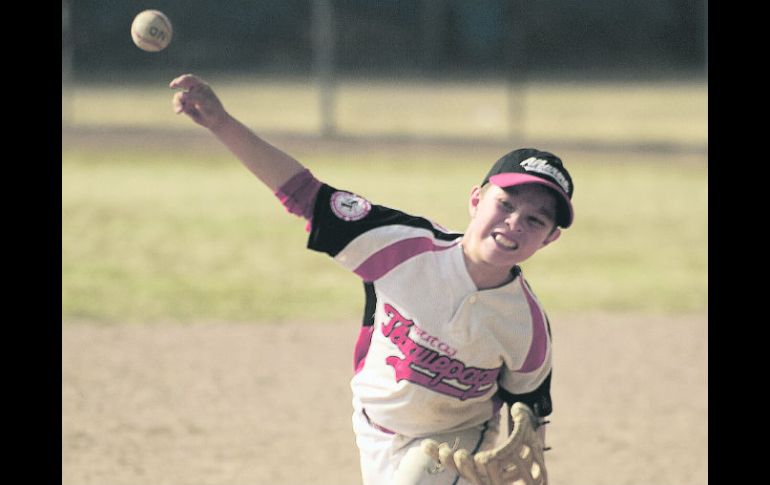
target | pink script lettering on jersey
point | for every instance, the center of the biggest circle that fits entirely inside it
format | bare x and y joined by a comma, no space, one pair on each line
429,368
434,342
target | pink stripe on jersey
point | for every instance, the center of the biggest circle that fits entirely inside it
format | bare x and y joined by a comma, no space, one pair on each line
387,258
362,347
298,195
537,350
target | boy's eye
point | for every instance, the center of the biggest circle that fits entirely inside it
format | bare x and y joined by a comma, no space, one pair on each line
536,221
506,205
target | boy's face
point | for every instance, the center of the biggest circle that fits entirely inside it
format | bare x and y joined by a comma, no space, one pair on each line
508,226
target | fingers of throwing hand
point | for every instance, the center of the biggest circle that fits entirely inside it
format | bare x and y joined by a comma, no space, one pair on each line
186,81
187,102
194,91
178,102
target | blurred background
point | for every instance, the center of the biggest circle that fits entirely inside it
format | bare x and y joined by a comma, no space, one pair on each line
376,94
339,58
431,38
195,324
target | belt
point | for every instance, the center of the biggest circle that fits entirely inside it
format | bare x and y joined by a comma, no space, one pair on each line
375,425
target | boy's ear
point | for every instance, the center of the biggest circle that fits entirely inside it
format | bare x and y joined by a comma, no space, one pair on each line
552,237
474,200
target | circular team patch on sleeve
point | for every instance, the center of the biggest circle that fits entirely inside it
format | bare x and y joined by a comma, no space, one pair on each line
349,207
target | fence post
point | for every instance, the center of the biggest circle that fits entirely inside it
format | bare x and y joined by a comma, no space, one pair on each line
323,58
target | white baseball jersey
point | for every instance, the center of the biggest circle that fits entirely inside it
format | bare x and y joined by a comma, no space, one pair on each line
435,354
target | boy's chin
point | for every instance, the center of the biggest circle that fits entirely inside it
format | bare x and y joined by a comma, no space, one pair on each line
502,259
506,258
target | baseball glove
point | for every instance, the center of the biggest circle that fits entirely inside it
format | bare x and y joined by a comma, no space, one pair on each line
519,458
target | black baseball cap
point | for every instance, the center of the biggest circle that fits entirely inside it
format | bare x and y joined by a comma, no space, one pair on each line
532,166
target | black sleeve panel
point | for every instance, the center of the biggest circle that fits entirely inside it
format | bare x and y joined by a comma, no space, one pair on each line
538,400
330,234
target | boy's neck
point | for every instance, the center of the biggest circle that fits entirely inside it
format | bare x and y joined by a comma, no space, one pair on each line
486,277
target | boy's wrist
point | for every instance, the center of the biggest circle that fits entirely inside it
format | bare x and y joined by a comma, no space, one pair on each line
221,125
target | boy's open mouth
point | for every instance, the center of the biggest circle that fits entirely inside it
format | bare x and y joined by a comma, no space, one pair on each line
503,241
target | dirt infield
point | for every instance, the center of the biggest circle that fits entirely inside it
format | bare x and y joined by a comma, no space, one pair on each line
253,404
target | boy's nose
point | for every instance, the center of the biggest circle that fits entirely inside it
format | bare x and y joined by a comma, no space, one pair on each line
514,221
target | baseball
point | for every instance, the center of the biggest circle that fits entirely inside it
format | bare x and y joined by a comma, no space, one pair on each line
151,30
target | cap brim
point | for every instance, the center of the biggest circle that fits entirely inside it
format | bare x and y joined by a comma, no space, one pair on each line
509,179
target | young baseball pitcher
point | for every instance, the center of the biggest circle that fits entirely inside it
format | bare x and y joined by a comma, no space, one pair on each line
451,329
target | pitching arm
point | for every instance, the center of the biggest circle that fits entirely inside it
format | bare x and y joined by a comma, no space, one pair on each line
197,100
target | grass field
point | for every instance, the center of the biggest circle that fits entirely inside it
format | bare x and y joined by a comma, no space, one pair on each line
631,112
176,233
